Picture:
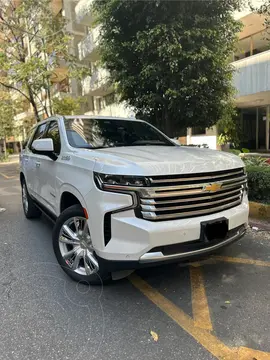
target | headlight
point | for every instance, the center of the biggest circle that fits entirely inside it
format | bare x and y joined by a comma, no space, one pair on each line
119,182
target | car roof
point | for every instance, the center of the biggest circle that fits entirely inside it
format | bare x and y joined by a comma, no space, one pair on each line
99,117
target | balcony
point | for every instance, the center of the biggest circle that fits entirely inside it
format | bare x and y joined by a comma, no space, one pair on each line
88,47
252,74
97,84
83,11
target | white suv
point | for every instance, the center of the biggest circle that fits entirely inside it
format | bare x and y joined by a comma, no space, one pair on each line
124,196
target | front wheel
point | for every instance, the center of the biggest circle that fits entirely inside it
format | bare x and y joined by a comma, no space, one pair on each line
29,207
74,249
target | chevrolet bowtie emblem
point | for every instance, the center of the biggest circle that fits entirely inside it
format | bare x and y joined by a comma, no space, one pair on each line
212,187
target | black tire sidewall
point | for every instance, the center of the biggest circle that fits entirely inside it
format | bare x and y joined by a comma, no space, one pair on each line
32,211
102,276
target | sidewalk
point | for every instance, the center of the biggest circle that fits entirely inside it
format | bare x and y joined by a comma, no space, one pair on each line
12,159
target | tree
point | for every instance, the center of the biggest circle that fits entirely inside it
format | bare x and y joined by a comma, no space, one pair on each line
35,51
170,59
67,105
263,10
7,113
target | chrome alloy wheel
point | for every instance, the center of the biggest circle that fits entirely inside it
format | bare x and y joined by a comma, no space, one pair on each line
24,198
76,246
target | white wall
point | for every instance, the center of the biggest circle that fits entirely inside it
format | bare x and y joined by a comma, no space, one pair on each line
210,138
117,110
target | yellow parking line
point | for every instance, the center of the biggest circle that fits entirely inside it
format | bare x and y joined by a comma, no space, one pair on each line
250,354
241,261
200,308
7,177
204,337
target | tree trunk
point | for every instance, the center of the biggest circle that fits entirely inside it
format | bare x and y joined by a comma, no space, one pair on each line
5,146
33,103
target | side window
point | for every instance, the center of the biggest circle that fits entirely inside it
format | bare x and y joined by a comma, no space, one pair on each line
39,133
54,134
28,138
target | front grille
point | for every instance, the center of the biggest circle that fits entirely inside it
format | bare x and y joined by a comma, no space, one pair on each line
184,196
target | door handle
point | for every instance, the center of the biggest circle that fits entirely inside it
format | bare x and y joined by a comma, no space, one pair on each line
37,164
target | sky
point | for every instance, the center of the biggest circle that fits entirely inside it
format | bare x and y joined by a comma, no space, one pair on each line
246,11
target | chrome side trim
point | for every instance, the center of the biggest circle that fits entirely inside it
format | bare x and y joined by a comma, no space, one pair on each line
158,256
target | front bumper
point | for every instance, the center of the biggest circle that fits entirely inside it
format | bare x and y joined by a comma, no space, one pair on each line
158,258
133,240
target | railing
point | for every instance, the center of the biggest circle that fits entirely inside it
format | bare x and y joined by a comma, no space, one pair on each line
252,74
83,11
89,44
98,80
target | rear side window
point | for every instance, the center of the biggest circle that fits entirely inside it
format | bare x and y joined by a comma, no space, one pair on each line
54,134
39,133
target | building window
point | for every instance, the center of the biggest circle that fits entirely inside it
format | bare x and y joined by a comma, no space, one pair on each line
198,130
109,99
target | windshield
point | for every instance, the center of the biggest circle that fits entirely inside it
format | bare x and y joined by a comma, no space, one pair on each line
104,133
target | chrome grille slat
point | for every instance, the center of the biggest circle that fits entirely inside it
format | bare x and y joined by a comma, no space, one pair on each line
195,186
202,198
198,189
153,216
181,207
198,178
174,197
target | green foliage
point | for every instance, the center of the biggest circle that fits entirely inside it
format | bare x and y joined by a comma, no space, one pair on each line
245,151
235,151
255,161
259,183
33,51
229,128
170,59
67,105
4,158
7,112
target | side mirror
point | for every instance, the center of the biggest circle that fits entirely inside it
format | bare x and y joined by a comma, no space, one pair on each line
44,147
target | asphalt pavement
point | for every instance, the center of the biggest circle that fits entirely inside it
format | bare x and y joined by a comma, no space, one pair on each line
214,309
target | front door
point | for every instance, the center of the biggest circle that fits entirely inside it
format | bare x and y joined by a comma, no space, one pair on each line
46,186
32,162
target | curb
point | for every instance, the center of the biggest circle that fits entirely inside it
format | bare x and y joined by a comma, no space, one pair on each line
259,211
9,162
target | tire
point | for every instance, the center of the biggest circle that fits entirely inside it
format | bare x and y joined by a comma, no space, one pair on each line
29,207
75,254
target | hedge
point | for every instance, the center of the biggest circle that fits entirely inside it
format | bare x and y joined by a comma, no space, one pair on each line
259,183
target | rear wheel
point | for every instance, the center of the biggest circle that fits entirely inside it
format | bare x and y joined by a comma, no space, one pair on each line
29,207
74,249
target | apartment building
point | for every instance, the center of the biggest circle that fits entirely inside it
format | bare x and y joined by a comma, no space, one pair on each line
251,61
101,96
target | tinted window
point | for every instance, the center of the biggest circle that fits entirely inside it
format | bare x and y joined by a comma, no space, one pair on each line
53,133
98,133
28,138
39,132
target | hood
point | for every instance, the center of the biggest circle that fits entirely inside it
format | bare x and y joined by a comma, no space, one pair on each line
160,160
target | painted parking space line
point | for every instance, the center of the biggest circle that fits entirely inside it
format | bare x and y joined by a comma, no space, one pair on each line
7,177
200,308
200,327
237,260
250,354
204,337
